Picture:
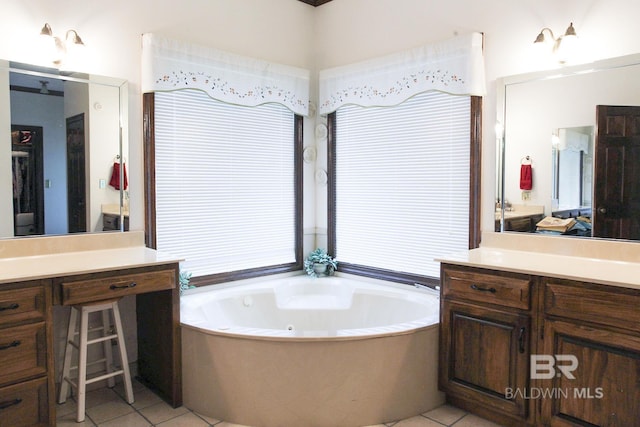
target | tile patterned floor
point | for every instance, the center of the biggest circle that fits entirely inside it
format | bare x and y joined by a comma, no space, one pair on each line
107,407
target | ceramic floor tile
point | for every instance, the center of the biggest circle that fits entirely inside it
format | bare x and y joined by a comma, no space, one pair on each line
110,410
144,398
187,420
418,421
161,412
226,424
445,414
99,397
210,420
133,419
474,421
69,420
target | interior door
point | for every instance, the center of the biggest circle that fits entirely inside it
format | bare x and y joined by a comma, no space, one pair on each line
27,176
616,212
76,188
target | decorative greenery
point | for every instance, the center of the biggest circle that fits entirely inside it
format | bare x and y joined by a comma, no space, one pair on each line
320,257
185,277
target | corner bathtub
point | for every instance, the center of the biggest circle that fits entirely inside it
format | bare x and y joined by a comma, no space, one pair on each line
298,351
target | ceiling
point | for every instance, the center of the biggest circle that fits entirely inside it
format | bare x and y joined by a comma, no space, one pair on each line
315,2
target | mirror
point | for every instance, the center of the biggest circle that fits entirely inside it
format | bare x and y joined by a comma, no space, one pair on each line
551,119
65,150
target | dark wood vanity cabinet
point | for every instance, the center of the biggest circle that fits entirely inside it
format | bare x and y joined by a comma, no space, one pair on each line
485,342
599,326
26,376
531,350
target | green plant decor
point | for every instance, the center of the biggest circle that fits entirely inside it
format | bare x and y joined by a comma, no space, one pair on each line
320,262
185,277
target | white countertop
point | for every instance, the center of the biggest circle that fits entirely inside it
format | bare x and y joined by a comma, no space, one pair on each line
70,255
596,270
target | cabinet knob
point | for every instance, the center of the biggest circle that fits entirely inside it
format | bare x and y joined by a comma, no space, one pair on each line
602,210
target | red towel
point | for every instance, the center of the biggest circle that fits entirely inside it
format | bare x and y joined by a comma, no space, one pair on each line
526,177
115,176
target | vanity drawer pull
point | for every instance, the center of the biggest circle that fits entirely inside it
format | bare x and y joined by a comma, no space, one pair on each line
10,307
521,340
9,403
481,289
130,285
14,343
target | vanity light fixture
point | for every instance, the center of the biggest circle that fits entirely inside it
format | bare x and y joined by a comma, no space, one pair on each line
59,49
560,46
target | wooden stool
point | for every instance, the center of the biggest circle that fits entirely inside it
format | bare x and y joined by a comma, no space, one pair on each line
81,345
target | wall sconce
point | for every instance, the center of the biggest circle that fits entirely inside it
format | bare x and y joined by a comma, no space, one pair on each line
561,46
57,49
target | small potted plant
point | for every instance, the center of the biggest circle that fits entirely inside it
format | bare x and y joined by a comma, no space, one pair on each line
320,262
185,277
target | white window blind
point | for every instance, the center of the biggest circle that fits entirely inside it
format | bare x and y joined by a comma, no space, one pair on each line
402,183
225,183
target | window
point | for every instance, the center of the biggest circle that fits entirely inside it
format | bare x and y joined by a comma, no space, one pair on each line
227,185
404,185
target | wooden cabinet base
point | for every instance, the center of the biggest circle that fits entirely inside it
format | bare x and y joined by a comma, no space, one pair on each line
570,358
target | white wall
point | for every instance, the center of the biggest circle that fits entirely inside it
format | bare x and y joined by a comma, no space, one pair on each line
337,33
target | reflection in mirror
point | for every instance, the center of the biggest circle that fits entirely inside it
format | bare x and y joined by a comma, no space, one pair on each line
551,117
572,167
63,152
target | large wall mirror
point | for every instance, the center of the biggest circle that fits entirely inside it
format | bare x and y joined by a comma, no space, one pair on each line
64,154
569,151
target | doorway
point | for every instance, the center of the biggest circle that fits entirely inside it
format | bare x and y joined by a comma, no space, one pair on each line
616,203
27,177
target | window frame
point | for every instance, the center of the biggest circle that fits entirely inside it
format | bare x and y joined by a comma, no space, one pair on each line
475,147
148,114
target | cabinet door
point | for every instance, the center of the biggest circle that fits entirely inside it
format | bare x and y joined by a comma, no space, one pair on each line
485,357
605,390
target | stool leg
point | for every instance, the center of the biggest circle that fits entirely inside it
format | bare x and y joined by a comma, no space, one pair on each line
123,354
108,348
82,364
68,351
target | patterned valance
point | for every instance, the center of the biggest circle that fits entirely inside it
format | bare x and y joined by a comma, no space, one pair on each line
172,65
455,66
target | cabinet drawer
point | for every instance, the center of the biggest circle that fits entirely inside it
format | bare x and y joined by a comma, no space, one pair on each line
25,404
22,304
509,290
74,292
605,305
23,352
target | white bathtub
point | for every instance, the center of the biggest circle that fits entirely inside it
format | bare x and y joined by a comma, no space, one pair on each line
315,352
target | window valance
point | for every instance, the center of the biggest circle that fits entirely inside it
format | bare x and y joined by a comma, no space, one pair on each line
172,65
454,66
